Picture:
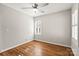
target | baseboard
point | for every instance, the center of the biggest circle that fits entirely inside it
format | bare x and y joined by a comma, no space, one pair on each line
53,43
76,53
15,46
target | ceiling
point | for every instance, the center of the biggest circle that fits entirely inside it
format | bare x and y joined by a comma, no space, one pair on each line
50,8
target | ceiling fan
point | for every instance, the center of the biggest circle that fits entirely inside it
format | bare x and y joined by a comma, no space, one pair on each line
36,6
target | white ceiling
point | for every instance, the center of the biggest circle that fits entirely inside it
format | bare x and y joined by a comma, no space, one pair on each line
51,8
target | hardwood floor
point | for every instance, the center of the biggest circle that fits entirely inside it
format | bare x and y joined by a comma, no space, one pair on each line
38,48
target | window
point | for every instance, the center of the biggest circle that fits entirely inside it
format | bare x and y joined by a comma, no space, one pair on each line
75,25
37,27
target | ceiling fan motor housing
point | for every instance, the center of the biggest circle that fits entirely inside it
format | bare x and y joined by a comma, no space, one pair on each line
35,5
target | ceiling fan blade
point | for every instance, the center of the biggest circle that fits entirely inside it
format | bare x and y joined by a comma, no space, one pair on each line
42,5
41,11
27,8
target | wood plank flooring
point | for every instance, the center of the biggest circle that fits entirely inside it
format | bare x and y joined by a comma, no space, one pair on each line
38,48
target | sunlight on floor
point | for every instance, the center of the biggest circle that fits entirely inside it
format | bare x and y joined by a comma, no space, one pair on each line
38,50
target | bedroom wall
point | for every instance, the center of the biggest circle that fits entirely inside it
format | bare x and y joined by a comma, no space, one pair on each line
56,28
17,27
0,33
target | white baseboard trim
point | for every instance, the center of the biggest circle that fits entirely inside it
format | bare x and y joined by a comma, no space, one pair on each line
74,52
15,46
53,43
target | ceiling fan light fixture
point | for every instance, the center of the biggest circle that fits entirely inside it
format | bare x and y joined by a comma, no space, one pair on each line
35,10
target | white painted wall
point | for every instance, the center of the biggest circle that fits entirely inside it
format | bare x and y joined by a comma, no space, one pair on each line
56,28
75,42
17,27
0,33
